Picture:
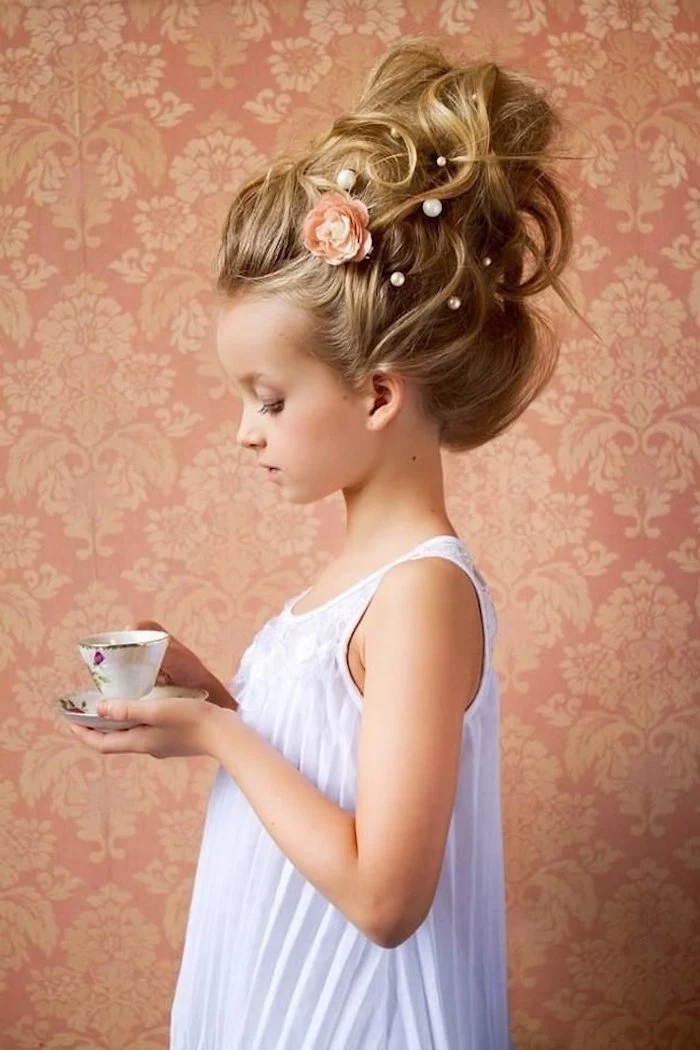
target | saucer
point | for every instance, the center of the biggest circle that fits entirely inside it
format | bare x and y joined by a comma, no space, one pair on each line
80,707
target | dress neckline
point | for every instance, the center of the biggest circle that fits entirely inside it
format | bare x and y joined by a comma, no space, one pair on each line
290,605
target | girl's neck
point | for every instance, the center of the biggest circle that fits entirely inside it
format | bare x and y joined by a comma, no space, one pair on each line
398,506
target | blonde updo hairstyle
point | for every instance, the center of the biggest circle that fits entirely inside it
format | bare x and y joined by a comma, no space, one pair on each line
477,367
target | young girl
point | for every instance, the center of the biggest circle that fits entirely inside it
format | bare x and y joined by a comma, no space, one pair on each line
350,893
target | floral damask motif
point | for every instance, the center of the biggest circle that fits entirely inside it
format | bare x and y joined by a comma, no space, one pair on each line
214,164
636,984
298,64
640,440
458,16
30,885
178,835
541,565
572,60
684,250
220,502
677,58
23,73
88,991
642,741
332,18
86,432
251,19
110,148
54,24
632,111
135,69
645,16
553,850
176,296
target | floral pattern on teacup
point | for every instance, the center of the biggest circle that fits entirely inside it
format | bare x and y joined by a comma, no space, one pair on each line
73,703
99,677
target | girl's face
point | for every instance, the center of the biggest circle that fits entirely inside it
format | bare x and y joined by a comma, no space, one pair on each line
307,430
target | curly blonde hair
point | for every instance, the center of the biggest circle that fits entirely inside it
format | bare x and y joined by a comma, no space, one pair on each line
477,367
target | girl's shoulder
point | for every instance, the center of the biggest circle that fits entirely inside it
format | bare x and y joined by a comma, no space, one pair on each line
445,546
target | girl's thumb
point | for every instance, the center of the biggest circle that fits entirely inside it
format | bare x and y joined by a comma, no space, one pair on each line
149,625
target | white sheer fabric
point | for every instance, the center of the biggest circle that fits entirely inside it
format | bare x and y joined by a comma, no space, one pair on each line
268,962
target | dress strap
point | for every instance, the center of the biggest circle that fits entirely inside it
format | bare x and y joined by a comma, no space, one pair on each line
289,606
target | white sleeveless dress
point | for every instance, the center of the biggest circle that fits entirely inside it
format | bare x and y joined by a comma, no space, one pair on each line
268,962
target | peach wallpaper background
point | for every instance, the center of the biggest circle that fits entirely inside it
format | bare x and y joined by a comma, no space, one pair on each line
124,127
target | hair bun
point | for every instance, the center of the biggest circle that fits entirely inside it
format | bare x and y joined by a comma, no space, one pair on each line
475,139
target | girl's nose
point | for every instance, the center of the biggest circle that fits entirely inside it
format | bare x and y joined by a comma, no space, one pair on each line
248,434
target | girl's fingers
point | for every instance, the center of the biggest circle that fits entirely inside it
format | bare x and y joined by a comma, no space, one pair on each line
149,625
118,710
94,738
147,712
115,742
82,733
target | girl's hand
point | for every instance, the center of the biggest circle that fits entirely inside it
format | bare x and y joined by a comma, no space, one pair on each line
183,667
172,728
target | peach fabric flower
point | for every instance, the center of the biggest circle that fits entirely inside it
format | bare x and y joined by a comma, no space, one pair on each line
336,229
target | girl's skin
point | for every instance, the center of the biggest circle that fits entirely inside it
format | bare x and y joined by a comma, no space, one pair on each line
416,655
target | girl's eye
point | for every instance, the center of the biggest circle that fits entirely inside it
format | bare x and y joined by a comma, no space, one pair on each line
273,407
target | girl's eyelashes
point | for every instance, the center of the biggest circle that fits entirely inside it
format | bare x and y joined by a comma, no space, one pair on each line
273,407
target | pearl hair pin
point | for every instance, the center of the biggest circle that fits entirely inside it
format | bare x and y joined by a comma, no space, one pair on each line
346,178
432,207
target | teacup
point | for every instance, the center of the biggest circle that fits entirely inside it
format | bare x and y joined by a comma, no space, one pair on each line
124,663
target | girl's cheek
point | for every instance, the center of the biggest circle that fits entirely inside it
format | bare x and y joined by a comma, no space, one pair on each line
310,426
319,424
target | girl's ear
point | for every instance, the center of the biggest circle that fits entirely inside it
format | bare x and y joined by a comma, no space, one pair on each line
383,399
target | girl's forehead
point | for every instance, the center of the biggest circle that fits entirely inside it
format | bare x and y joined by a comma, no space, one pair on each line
260,336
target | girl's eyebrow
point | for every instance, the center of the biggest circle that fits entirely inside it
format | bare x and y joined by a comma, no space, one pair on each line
252,377
249,379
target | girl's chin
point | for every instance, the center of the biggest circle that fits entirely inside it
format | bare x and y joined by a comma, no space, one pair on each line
302,495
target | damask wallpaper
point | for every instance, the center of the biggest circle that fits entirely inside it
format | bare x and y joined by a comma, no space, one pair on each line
124,127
